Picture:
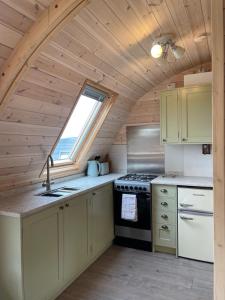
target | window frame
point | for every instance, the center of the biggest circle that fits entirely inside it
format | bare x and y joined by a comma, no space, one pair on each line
69,166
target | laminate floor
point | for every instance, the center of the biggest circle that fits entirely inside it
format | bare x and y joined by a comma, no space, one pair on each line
128,274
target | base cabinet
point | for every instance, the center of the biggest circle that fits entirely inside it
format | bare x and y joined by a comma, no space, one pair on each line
55,245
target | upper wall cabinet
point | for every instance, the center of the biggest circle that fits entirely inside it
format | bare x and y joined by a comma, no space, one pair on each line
186,115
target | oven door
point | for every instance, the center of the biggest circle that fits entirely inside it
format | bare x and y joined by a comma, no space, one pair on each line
143,210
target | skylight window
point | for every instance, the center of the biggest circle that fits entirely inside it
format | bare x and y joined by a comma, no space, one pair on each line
79,124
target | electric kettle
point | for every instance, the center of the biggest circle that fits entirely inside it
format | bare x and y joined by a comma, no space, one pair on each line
93,169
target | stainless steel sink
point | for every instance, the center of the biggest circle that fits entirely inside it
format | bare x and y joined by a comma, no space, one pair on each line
59,192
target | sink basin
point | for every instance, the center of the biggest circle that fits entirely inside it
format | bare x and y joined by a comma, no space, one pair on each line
62,191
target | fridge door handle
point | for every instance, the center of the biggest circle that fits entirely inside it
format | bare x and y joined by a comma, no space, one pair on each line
186,218
186,205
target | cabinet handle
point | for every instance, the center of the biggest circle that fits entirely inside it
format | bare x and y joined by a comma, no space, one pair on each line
164,227
164,203
184,140
67,205
163,190
201,195
61,207
164,216
164,140
186,218
186,205
93,194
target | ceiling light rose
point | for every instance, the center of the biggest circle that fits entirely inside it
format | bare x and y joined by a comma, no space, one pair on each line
163,44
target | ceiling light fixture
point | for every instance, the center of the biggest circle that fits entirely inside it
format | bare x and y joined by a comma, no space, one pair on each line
162,45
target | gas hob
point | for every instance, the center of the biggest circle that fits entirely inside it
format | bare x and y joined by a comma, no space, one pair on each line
134,183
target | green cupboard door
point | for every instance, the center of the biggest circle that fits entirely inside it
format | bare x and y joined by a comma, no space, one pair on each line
75,252
169,117
42,254
102,219
196,115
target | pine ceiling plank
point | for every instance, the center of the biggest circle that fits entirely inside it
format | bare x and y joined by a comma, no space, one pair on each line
27,129
9,37
36,92
35,118
126,61
70,44
196,18
63,56
14,19
102,57
9,151
182,23
112,23
5,51
131,22
15,140
20,170
8,161
58,70
51,82
26,8
32,105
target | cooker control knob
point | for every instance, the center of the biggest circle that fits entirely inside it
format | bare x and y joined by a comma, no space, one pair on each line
136,188
122,186
118,186
126,187
144,189
140,188
131,188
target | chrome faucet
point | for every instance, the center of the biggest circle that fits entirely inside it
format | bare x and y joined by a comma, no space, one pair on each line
47,183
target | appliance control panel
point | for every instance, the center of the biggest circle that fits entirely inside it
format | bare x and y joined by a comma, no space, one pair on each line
138,188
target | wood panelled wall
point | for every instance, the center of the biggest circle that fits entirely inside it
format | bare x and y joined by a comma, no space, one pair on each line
146,110
107,42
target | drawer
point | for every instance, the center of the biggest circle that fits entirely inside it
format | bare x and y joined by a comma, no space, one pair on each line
195,199
164,204
165,235
165,191
162,217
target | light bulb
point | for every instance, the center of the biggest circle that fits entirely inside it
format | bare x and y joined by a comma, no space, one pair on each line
156,51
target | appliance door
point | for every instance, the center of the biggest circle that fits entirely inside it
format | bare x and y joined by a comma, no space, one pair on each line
143,211
195,235
195,199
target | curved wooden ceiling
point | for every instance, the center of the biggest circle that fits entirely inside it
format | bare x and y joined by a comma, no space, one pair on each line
107,42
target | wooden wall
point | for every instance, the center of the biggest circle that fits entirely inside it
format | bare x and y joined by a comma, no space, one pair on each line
218,15
146,109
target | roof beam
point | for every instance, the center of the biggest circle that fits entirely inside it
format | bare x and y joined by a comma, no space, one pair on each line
50,22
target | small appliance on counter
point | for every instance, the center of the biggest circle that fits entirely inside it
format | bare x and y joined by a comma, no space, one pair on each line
96,168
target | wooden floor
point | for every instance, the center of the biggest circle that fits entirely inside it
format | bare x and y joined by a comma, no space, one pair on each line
128,274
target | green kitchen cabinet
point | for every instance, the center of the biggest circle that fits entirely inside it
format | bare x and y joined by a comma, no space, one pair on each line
170,117
101,228
75,250
186,115
196,117
42,254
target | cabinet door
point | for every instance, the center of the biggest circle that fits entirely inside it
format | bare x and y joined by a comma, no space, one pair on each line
196,114
102,228
169,116
75,237
42,254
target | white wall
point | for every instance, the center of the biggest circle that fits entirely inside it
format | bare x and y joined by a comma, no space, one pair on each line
188,160
118,158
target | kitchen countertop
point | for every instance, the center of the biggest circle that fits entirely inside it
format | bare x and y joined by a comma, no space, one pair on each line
184,181
27,203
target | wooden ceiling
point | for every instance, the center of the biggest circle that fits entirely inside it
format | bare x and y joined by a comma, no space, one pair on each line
107,42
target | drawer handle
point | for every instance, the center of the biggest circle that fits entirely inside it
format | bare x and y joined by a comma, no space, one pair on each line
93,194
164,216
164,203
164,140
67,205
163,191
186,218
164,227
201,195
184,140
186,205
61,207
